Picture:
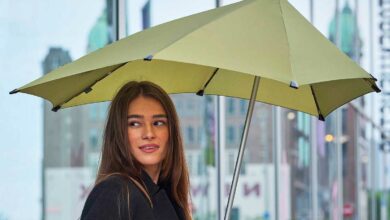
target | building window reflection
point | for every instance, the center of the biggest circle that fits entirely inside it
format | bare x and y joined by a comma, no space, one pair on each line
93,112
231,133
230,103
190,134
93,139
243,106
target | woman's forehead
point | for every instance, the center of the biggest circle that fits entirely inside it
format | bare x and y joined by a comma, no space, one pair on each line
146,106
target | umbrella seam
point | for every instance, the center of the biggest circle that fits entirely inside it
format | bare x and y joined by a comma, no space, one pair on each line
244,3
162,48
288,43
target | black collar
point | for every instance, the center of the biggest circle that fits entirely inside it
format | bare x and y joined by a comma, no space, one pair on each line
150,185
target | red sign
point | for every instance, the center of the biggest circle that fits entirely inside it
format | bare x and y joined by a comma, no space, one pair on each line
348,210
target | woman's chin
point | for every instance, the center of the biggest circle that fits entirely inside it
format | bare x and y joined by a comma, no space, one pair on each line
146,164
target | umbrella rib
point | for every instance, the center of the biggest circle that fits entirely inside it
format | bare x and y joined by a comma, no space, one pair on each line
201,91
87,89
320,116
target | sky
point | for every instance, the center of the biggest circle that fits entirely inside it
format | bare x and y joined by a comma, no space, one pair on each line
27,29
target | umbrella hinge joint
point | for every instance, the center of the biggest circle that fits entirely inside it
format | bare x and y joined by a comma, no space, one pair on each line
148,58
87,90
294,85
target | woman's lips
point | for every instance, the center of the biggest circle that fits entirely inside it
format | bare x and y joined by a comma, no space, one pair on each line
149,148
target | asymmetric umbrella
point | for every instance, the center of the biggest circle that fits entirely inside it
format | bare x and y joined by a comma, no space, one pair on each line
264,44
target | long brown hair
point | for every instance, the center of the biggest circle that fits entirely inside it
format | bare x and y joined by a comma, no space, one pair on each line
116,156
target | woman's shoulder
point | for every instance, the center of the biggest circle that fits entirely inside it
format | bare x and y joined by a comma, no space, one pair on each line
114,181
107,197
116,185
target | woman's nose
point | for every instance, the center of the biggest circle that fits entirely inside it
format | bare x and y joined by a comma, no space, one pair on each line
148,132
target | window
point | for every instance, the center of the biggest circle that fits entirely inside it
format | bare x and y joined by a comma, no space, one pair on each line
93,139
231,162
243,106
93,112
230,134
230,105
190,134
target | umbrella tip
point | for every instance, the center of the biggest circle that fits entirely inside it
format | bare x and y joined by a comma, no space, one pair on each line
55,109
321,117
14,91
376,88
200,92
294,84
148,58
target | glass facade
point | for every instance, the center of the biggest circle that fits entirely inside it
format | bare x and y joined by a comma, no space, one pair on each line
294,166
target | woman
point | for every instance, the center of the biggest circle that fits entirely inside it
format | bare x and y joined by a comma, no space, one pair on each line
143,173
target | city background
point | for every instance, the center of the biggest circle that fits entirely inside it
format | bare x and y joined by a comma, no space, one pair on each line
336,169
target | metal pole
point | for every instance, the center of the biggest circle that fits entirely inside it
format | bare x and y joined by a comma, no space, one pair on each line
313,149
242,147
277,155
311,11
217,3
384,194
357,125
372,182
357,165
338,123
339,154
119,19
314,168
221,148
372,148
372,178
220,154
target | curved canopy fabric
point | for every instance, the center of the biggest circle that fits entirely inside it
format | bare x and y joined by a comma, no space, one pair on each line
299,68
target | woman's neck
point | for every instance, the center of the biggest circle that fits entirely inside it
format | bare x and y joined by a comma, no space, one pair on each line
153,172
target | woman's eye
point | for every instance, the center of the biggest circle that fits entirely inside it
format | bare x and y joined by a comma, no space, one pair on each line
134,124
160,123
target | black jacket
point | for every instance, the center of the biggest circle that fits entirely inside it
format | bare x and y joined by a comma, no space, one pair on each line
118,198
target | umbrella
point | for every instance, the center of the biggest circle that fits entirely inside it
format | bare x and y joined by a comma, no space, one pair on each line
264,44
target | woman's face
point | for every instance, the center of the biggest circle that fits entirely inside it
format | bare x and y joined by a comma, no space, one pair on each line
147,131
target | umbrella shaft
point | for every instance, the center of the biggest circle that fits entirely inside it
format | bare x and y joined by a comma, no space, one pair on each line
242,147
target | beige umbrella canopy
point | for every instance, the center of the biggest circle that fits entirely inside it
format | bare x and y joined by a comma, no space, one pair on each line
266,44
224,48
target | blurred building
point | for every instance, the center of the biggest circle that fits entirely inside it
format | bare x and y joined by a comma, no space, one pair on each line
72,139
384,71
146,15
352,139
60,141
94,115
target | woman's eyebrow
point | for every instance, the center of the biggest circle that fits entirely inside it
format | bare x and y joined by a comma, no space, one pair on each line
141,116
160,116
135,116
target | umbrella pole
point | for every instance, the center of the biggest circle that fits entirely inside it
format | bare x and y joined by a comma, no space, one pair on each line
242,147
